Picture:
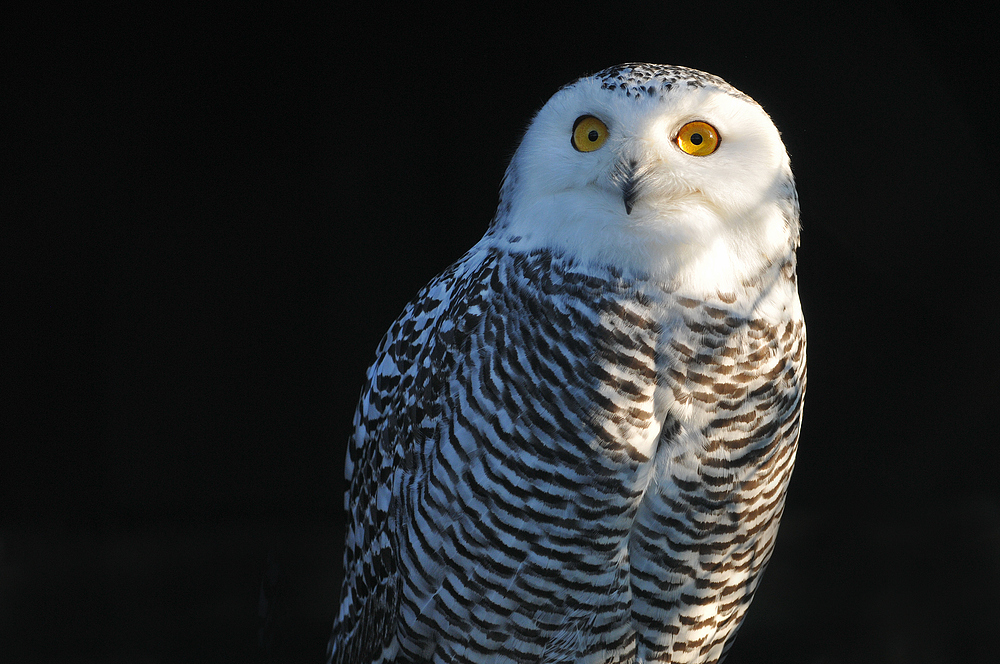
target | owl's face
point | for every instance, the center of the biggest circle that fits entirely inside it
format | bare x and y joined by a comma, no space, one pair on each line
669,179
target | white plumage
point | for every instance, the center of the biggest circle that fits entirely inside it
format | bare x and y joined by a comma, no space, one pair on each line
574,444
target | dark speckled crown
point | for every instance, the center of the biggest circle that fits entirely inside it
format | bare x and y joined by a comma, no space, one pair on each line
638,79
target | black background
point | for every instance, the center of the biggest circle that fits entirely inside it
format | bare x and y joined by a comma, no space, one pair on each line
211,216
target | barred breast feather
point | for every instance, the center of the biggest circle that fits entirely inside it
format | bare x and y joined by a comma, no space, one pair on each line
554,463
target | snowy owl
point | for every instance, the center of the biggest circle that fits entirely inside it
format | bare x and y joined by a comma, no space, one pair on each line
574,444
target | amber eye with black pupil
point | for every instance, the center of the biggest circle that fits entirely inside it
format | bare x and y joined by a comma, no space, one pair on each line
589,133
698,139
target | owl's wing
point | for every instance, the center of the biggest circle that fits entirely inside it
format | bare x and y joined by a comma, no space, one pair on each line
395,402
494,469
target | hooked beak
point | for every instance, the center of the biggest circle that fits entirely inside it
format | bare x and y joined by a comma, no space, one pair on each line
628,182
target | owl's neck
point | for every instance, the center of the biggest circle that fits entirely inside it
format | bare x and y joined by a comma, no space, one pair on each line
690,247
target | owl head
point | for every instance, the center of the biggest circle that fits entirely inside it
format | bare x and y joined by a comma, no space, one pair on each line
660,171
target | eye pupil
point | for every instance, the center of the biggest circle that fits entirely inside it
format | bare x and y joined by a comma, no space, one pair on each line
696,139
593,136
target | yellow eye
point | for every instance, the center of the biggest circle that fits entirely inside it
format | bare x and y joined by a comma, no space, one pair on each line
589,133
698,138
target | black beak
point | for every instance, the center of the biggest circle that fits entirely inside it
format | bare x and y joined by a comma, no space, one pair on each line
629,183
